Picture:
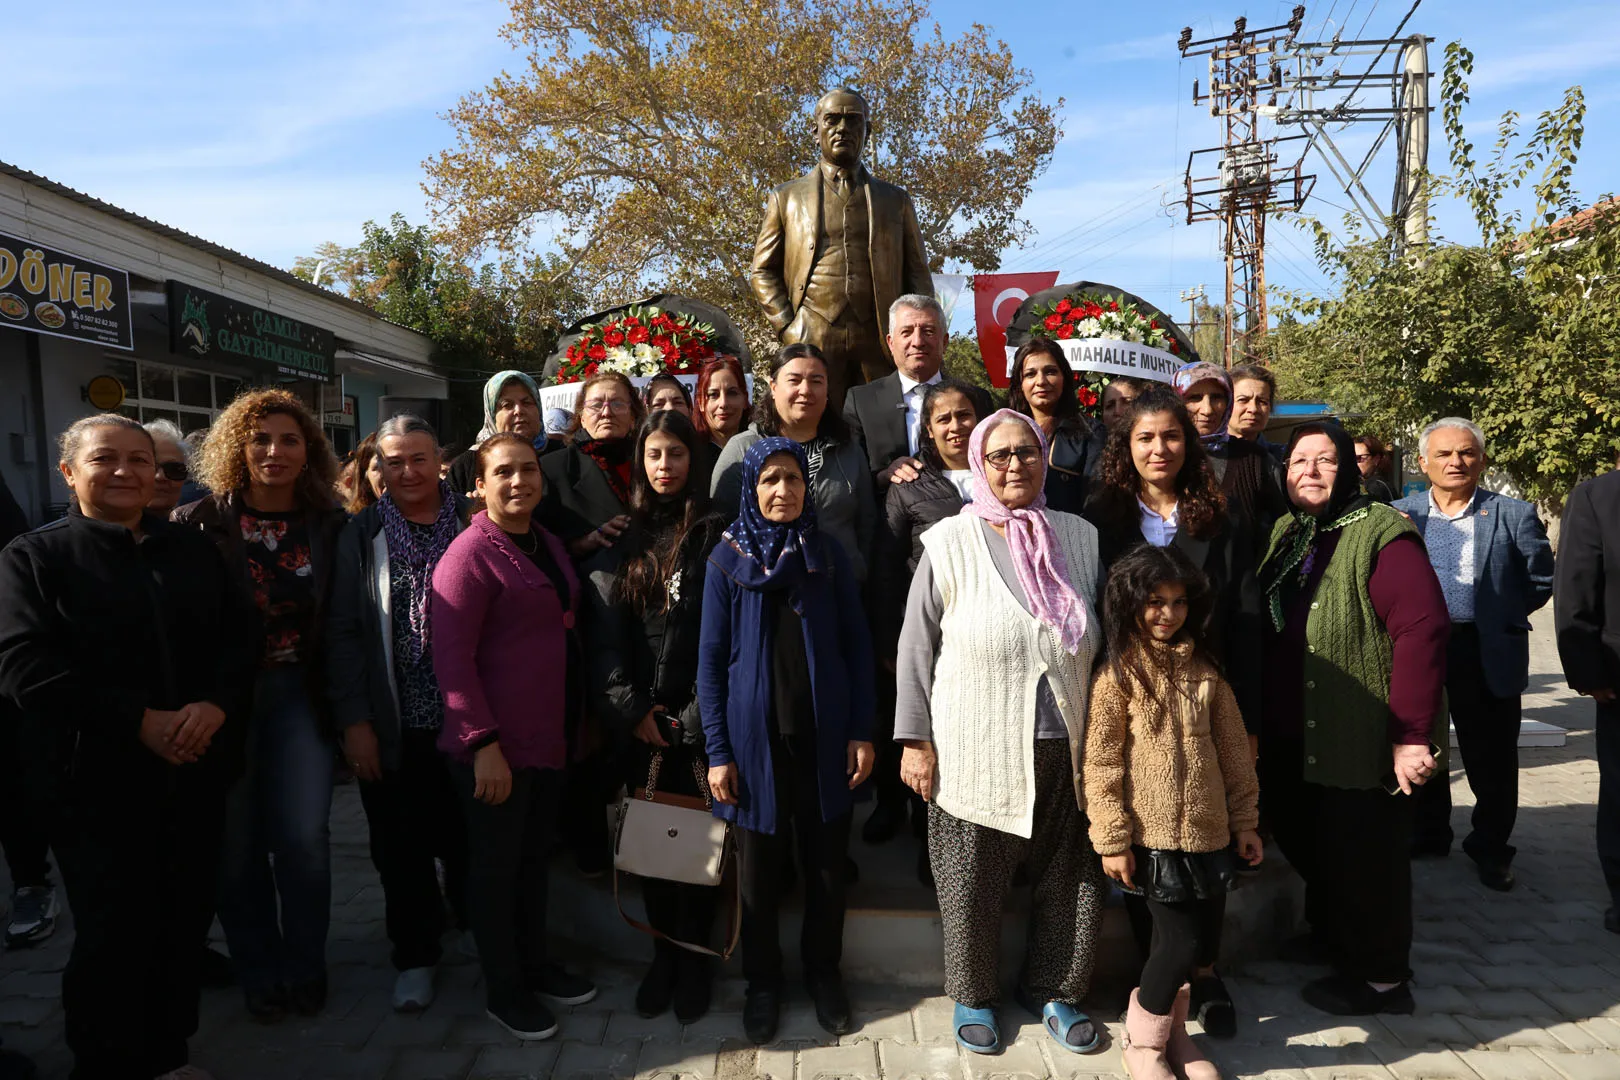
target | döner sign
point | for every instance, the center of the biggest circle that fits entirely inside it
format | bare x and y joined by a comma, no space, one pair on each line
203,323
51,292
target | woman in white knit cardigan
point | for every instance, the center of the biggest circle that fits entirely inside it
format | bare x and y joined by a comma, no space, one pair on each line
994,667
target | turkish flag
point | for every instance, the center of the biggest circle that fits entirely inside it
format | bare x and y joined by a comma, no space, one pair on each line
995,301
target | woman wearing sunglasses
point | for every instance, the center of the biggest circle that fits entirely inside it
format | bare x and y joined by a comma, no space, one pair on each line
173,467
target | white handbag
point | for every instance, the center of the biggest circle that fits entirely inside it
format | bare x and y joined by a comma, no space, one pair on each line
673,837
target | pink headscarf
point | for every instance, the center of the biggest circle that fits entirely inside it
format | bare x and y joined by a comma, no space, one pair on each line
1043,572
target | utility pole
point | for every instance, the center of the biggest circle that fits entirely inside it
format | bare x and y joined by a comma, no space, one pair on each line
1190,297
1249,179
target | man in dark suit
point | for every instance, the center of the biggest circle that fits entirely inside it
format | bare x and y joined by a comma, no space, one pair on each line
835,248
1496,568
886,417
1587,618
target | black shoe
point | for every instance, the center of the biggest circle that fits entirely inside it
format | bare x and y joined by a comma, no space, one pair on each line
1498,876
13,1066
1343,995
526,1019
832,1004
658,986
761,1011
307,998
561,986
1211,1005
216,969
267,1006
884,824
1304,948
692,987
1611,920
925,867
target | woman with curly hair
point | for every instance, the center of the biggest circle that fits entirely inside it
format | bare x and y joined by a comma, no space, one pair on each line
274,516
362,484
1045,389
1155,486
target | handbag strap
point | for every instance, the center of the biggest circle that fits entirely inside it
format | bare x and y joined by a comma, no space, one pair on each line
699,773
733,914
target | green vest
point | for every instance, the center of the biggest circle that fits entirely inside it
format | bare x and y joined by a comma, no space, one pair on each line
1347,662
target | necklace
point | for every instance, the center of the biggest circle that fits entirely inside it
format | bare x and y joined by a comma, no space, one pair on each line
534,542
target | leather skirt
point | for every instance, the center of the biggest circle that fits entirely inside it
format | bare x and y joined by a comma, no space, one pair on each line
1174,877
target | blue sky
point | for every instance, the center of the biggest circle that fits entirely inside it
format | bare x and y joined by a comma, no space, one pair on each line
271,126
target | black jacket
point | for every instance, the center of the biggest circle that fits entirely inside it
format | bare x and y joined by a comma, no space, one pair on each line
13,522
638,662
1586,586
219,517
876,416
1069,460
1228,560
577,496
359,676
908,511
1253,482
96,628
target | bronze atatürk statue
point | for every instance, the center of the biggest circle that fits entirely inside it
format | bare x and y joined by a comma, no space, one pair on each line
836,248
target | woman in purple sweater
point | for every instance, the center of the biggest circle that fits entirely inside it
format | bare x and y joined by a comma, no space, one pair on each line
504,598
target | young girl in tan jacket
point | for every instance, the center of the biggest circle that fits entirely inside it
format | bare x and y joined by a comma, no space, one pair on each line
1170,791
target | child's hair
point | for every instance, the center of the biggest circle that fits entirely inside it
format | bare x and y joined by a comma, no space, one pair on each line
1130,584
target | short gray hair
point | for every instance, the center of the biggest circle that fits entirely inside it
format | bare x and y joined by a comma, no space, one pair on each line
917,302
1451,422
73,437
168,431
406,424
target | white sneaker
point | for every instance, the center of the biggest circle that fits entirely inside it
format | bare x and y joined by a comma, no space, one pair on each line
413,990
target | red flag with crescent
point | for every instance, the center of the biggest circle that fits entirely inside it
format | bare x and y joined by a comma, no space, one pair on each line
995,301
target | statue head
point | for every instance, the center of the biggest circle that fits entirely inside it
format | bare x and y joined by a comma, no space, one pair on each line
842,121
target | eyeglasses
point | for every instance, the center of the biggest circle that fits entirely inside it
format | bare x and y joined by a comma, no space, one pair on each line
1001,460
172,470
1323,464
607,405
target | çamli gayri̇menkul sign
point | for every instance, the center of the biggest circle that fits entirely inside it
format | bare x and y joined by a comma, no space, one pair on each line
206,324
51,292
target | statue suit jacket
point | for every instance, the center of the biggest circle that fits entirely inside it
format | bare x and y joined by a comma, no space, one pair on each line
786,249
1513,577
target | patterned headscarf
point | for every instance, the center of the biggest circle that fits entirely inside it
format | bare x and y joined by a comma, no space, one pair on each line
419,558
1043,572
779,553
1189,375
492,395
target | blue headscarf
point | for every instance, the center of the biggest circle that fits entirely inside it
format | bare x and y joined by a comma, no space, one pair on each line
492,395
775,555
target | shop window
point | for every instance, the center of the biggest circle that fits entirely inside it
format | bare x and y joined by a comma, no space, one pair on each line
194,388
195,421
156,382
225,390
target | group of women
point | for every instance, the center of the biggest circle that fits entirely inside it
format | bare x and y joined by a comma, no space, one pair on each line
672,595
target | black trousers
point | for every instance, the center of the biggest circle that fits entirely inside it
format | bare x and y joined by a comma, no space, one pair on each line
1488,738
22,824
140,870
822,848
1608,815
588,790
1142,924
1182,936
415,817
507,850
886,782
684,912
1352,846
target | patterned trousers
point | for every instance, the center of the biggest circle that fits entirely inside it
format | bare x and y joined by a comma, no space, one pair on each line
973,867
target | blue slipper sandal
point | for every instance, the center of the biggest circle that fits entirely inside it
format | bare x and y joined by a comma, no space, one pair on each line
1059,1019
965,1017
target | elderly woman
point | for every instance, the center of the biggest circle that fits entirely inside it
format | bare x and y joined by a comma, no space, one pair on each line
131,707
1249,475
994,670
784,684
587,500
1355,660
511,403
273,517
173,466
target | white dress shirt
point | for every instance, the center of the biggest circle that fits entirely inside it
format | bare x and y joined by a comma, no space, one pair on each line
911,395
1156,530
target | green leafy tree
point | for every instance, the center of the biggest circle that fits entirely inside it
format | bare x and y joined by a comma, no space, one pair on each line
1516,331
481,320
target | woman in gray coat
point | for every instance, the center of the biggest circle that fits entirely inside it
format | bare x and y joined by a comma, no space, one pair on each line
795,407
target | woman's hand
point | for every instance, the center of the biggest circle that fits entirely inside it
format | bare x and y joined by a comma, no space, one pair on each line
1414,765
600,537
361,752
650,729
157,728
195,728
1249,848
723,783
1121,867
917,764
492,777
861,759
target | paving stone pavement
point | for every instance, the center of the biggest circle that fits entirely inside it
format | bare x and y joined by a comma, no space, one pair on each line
1521,986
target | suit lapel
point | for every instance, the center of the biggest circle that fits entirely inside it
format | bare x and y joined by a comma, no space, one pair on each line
1485,525
892,406
1195,549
